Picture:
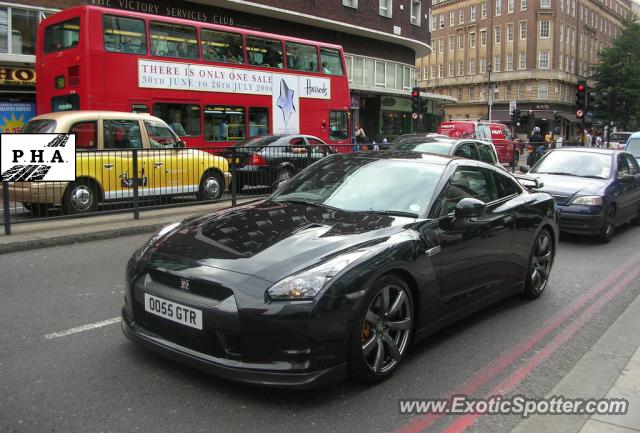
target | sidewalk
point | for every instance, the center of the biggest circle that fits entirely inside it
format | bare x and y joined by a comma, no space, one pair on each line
49,233
610,369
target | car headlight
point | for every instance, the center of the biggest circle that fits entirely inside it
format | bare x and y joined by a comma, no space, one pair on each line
307,284
589,200
156,236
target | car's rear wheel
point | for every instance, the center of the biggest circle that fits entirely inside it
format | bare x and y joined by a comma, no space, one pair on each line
80,197
211,186
540,262
382,330
608,226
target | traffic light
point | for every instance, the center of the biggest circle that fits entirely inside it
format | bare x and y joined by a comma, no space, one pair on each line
591,100
515,117
415,100
581,98
605,102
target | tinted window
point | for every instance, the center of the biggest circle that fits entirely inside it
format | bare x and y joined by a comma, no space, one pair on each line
258,142
62,36
86,134
258,121
39,127
505,186
338,121
222,47
330,61
172,40
469,182
122,134
467,150
183,118
125,35
65,103
486,153
264,52
160,136
633,165
302,57
224,123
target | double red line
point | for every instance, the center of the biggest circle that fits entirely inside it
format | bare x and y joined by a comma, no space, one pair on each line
497,366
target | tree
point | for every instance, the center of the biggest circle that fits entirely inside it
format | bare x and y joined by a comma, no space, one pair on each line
618,73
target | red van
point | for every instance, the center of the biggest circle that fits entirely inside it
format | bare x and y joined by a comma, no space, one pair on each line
497,133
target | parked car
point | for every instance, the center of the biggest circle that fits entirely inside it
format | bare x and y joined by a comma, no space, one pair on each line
268,160
633,145
340,269
441,144
496,133
596,190
617,140
104,162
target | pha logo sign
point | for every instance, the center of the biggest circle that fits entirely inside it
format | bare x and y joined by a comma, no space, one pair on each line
37,157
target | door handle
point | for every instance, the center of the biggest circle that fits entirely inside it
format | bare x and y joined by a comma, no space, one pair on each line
108,166
157,164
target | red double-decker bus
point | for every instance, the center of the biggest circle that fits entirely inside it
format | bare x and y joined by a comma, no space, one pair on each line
215,85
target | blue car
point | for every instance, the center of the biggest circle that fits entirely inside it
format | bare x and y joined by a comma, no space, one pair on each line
596,190
633,145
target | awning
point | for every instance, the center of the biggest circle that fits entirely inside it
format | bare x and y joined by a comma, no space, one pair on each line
571,117
498,116
543,114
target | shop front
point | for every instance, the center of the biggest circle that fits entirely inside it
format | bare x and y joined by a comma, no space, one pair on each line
17,97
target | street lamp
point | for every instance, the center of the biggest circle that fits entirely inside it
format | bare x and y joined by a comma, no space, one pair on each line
489,91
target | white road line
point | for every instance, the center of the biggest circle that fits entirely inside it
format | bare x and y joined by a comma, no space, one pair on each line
82,328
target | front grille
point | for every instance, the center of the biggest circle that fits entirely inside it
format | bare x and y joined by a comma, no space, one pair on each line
560,199
208,289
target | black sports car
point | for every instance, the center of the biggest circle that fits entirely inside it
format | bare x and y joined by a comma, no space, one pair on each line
340,269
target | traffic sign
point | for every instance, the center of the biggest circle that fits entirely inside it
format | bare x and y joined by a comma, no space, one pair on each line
579,114
414,116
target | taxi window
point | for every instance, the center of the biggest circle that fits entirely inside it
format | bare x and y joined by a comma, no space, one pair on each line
160,135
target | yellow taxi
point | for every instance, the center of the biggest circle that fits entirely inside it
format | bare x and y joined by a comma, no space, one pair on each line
105,143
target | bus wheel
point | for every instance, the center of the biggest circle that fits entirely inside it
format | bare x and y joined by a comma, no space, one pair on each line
80,197
211,186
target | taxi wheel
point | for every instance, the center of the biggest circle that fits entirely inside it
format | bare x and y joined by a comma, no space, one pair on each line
80,197
211,186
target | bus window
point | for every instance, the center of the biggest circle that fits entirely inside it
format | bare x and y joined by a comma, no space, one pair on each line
264,52
222,46
62,36
331,63
224,123
338,121
183,118
139,108
124,35
65,102
302,57
258,121
173,40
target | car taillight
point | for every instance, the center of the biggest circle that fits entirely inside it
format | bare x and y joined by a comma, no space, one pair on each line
257,159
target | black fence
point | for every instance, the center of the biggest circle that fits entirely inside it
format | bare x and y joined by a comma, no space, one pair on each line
134,179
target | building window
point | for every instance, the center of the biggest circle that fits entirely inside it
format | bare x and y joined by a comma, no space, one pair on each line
523,5
433,72
543,59
483,65
498,34
510,32
545,29
460,67
442,21
543,91
440,70
472,40
452,44
498,7
545,3
461,42
416,7
472,66
18,34
441,45
472,13
381,74
483,38
461,16
510,6
523,30
509,66
483,10
507,92
434,20
561,31
497,63
350,3
522,60
560,64
385,8
451,70
452,18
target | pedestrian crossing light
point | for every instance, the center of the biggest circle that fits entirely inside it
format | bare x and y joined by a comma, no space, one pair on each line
415,100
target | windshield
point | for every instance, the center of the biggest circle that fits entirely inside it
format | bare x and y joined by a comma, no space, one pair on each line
258,142
580,164
39,127
365,184
435,147
633,147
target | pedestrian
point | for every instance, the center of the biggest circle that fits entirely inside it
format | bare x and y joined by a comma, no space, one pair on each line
599,141
361,137
549,139
536,141
589,138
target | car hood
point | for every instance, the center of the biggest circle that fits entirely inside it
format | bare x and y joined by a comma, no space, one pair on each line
568,186
273,240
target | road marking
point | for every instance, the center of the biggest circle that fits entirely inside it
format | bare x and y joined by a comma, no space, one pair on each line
82,328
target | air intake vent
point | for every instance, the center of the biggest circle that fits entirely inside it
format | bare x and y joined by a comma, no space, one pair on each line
74,76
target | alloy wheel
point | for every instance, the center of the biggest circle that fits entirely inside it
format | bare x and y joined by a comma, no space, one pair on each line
541,260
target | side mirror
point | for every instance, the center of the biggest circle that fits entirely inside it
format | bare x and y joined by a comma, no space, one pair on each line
525,169
627,178
470,208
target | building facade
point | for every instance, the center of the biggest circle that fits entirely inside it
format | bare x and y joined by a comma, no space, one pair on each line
532,52
381,40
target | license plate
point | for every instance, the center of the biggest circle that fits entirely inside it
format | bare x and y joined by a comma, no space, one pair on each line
175,312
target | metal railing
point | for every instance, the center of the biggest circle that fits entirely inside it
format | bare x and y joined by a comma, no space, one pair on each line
128,180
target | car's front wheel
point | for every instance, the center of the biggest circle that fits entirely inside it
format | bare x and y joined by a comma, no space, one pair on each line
382,330
608,226
540,262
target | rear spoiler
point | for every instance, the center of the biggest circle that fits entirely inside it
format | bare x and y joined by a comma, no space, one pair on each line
529,182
